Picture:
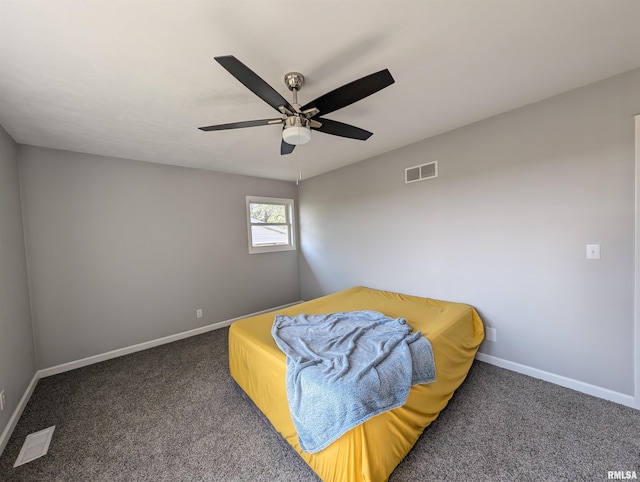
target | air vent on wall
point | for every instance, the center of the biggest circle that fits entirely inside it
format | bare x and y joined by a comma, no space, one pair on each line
421,172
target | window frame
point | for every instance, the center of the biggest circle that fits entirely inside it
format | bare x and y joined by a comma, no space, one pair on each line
290,224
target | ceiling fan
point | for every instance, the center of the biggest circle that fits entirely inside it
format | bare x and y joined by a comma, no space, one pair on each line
297,121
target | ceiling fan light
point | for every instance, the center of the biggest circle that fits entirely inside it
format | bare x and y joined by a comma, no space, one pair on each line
296,130
296,135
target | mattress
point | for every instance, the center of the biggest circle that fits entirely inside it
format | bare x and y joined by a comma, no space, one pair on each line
370,451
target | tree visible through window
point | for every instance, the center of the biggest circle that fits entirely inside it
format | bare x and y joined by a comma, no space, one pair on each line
270,224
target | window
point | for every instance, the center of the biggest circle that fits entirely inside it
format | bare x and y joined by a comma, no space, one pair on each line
270,224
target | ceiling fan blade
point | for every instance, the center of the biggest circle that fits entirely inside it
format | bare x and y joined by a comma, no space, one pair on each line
340,129
351,92
253,82
286,148
238,125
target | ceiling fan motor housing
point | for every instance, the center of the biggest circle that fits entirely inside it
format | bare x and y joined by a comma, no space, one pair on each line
296,130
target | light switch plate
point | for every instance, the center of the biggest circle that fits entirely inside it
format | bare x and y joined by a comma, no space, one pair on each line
593,251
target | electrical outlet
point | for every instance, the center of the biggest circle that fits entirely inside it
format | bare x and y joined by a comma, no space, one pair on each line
3,401
491,334
199,313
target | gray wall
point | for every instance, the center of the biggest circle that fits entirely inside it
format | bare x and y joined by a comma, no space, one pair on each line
122,252
17,355
504,228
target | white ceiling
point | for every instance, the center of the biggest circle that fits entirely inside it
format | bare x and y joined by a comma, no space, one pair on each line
134,78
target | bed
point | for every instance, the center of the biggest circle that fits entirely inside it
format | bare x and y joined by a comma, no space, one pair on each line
371,450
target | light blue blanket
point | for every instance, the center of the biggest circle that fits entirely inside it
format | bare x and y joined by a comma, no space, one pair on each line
344,368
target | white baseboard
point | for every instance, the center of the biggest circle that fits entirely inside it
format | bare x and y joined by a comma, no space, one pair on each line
65,367
579,386
13,421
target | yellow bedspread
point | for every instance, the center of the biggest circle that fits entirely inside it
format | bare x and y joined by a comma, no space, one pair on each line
370,451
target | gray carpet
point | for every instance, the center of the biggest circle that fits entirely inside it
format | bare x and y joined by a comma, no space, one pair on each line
172,413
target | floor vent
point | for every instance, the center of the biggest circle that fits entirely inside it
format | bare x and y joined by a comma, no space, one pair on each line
421,172
35,445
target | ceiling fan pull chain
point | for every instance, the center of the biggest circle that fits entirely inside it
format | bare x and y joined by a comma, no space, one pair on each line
299,169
